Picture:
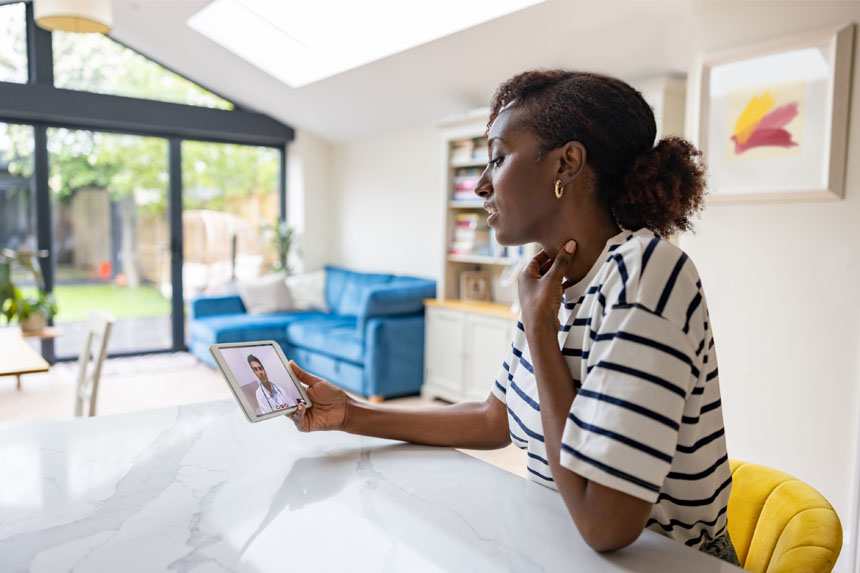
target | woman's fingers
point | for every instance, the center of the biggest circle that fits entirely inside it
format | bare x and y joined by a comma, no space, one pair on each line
533,269
304,377
299,419
543,260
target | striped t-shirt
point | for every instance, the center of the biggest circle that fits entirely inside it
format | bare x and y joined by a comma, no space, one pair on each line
646,419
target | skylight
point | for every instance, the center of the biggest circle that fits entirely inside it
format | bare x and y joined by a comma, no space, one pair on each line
300,42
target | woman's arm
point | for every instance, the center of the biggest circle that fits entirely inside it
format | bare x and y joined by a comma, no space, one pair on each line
473,425
607,519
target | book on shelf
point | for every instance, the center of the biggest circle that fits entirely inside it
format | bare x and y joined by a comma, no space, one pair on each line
465,196
469,151
461,151
481,152
463,184
471,235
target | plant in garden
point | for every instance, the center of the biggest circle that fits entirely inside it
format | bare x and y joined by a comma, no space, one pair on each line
280,236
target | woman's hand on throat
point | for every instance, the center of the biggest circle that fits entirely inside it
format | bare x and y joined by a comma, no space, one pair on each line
541,288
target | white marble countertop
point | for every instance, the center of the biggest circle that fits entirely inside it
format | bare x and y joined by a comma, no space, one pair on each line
198,488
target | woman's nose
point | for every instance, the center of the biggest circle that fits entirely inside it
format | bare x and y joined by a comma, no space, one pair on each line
483,188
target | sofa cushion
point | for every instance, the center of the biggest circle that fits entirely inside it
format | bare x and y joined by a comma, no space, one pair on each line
345,374
345,289
329,334
265,295
308,291
243,327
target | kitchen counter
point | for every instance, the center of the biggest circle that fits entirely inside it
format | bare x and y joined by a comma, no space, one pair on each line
198,488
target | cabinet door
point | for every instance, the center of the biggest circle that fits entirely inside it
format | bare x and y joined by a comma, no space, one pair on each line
443,357
487,341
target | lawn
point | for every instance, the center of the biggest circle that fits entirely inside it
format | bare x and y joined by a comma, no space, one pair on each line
75,301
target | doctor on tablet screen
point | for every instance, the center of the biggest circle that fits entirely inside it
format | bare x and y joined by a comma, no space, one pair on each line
270,396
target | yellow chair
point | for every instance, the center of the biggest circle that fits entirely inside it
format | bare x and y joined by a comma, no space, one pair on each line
779,524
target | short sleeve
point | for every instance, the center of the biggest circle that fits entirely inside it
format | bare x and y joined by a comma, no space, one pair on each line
622,428
505,375
500,386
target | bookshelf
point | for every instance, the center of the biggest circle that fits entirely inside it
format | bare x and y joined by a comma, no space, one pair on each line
464,156
469,243
465,342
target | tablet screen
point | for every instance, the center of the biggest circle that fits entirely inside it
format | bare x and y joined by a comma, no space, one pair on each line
262,377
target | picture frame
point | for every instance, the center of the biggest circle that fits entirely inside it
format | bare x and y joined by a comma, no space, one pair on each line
475,286
771,119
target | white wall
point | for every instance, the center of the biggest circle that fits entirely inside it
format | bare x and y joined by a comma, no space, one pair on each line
386,203
783,287
309,185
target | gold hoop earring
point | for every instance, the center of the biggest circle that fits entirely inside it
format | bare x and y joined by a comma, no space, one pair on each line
559,189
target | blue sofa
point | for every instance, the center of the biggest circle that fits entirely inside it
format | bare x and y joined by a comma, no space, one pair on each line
370,343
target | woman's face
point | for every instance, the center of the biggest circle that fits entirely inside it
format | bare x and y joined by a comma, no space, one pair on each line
517,188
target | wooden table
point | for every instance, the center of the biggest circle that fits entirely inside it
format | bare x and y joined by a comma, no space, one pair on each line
45,333
17,357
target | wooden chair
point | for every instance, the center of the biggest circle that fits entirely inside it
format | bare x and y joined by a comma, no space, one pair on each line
95,348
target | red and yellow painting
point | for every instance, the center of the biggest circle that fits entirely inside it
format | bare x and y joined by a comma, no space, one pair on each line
766,121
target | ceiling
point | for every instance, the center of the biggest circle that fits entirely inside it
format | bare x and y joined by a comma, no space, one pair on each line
632,39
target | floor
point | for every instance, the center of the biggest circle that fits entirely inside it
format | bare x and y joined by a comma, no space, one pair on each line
157,381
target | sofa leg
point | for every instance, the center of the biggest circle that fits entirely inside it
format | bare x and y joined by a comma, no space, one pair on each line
375,399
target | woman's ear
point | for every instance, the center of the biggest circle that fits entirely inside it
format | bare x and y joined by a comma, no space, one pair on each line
572,161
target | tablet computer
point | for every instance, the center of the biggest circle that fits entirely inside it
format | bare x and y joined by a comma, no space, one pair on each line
260,378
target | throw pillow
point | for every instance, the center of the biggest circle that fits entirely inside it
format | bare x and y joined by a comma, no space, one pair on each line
265,294
308,291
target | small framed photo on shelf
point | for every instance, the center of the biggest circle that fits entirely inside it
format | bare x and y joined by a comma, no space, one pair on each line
771,119
475,286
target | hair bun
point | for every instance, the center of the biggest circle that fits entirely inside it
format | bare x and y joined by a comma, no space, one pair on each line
664,188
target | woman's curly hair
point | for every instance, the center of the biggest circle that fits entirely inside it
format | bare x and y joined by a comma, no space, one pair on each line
659,187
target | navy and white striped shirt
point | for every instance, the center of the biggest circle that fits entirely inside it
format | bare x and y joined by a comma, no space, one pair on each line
646,419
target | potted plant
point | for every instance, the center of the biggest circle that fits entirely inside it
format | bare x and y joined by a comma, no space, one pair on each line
35,312
281,237
32,312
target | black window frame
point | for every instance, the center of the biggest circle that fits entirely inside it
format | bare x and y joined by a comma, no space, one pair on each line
41,105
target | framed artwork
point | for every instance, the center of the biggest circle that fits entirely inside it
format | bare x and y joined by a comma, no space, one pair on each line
475,286
771,120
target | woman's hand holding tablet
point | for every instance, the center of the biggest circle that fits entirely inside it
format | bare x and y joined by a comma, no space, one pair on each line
260,379
330,404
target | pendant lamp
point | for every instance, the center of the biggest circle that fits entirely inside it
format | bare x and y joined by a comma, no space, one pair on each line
84,16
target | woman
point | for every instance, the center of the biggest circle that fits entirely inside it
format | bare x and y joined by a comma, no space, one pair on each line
611,380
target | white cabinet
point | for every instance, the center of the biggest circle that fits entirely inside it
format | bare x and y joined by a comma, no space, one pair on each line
444,353
464,348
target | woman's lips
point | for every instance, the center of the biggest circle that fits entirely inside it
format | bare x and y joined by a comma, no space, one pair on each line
492,210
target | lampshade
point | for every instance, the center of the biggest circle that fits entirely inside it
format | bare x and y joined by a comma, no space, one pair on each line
83,16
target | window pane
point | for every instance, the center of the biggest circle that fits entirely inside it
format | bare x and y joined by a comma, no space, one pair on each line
17,210
95,63
111,237
230,197
13,43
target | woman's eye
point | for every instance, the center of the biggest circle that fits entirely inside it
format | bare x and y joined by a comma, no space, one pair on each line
497,161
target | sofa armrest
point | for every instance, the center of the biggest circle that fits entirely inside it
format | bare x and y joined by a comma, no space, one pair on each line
213,305
394,360
395,299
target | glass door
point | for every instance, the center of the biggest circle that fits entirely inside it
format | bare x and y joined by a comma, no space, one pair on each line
111,238
231,204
